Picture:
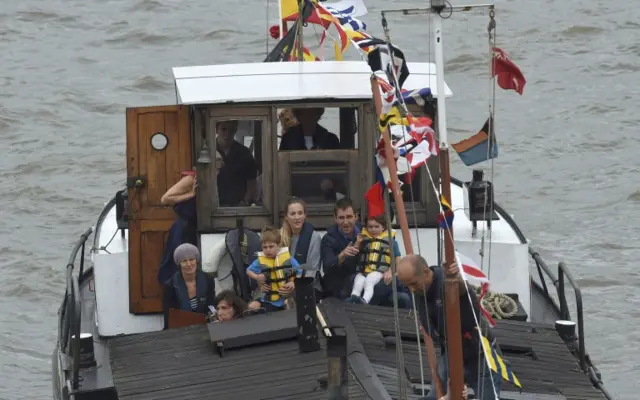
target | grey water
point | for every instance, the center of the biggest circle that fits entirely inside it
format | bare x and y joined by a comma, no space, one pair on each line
568,165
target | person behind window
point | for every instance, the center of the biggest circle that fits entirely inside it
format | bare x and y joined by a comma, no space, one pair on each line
375,257
229,306
308,134
236,168
182,196
275,271
190,289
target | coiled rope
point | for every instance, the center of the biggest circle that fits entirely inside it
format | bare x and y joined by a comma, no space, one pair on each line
499,305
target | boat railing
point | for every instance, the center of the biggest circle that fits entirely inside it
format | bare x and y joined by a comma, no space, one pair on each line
70,314
559,283
563,272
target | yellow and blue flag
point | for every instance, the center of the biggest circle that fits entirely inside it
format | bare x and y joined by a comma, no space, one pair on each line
445,218
393,117
497,364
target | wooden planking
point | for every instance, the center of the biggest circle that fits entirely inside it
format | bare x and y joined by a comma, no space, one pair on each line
149,220
389,378
152,246
155,161
172,165
181,363
554,371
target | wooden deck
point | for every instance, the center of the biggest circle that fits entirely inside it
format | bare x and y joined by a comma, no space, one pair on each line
536,353
187,363
183,364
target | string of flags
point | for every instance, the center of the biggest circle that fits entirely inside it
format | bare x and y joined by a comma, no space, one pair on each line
413,140
342,14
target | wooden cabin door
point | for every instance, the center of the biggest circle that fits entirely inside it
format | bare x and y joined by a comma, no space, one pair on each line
151,170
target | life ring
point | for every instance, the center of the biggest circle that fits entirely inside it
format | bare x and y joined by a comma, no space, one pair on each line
218,263
212,258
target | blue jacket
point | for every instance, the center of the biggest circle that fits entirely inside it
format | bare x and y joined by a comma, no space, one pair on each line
337,280
182,231
176,295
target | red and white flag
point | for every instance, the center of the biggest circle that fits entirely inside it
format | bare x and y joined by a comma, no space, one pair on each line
471,270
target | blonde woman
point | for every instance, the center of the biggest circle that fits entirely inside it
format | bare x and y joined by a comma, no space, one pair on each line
299,236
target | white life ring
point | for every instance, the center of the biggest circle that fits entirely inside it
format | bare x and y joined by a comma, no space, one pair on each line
218,262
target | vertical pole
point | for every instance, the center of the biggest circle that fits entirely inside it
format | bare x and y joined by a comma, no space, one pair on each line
300,49
451,287
337,378
402,220
307,319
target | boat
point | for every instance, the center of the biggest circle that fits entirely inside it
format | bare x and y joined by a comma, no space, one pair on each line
111,340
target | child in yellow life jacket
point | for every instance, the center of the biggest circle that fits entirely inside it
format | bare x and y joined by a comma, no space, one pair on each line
274,268
375,257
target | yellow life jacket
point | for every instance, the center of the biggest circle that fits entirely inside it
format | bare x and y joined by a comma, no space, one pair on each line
375,253
278,271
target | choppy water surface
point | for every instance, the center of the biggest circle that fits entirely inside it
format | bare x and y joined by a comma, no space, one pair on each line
568,166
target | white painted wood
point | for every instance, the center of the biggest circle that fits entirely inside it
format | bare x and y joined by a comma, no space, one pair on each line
111,274
287,81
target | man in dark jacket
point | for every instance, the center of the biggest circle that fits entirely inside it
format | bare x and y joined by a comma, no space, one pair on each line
340,258
428,284
308,134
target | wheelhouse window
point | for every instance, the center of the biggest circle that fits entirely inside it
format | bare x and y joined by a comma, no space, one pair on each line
233,183
322,157
237,169
317,127
319,182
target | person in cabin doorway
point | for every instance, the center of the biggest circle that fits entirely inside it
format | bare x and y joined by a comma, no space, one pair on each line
275,271
308,134
375,249
236,168
301,239
190,289
228,306
340,257
428,284
182,196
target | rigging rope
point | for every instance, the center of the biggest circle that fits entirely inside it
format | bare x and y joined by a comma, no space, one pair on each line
467,286
403,108
490,302
396,313
387,35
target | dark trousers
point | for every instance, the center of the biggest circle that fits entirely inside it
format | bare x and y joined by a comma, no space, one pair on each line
383,296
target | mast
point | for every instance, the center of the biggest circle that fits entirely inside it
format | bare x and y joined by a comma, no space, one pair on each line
452,294
404,224
451,287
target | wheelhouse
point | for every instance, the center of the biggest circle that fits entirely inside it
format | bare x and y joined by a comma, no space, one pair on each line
164,141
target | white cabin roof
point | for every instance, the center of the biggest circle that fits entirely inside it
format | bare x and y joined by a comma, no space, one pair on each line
287,81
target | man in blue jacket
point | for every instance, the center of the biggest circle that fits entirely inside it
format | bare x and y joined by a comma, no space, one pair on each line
340,258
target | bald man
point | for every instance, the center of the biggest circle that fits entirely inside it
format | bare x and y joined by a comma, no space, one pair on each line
428,285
